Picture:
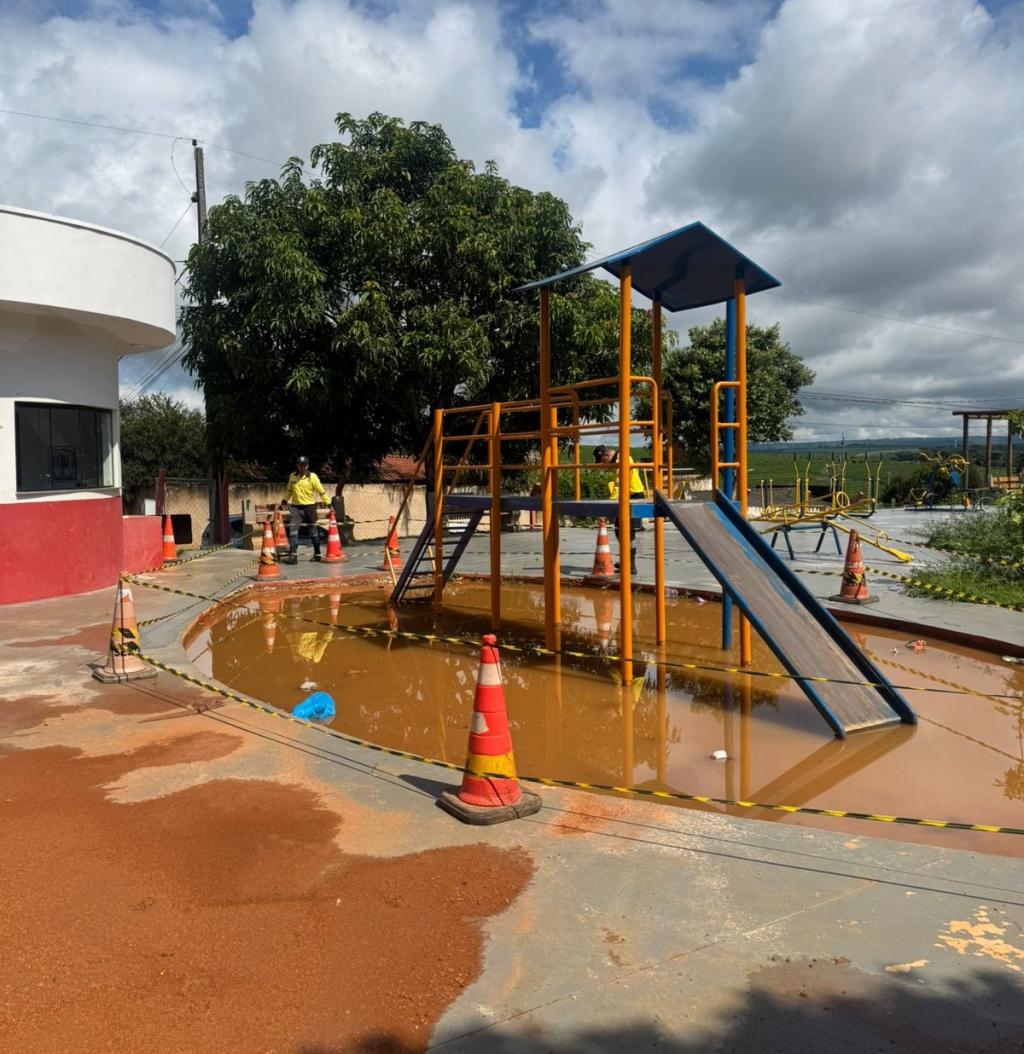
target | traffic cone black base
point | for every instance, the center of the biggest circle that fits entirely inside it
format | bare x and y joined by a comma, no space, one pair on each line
482,815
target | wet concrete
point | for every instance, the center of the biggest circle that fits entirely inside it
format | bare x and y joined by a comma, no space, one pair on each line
575,719
643,928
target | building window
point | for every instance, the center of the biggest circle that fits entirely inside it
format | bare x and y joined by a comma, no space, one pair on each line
63,447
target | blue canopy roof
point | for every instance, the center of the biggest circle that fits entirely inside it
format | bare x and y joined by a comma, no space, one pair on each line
686,268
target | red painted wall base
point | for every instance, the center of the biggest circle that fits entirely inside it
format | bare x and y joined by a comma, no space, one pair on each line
143,544
57,548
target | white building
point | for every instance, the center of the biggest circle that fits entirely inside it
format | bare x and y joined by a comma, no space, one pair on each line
74,298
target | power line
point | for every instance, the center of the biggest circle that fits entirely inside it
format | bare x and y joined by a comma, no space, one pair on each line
177,139
188,209
883,400
896,318
136,131
172,355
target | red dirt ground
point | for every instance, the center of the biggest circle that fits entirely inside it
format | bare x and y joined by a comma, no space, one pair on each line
223,917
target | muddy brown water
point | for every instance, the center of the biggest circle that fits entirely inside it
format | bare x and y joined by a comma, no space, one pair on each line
574,718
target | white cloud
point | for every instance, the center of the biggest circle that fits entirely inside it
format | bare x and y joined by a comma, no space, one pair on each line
868,152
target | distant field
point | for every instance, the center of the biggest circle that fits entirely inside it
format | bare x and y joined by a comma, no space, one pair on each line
778,466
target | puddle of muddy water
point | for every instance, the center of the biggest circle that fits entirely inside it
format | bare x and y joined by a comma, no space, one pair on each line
575,719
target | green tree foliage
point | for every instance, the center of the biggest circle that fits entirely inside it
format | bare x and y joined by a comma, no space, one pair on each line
330,312
160,432
774,377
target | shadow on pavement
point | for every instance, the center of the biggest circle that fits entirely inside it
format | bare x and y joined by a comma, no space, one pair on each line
791,1007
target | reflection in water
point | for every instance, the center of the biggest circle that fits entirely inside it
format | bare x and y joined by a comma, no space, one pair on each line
649,723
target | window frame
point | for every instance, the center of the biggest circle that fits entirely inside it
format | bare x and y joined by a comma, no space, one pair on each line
105,455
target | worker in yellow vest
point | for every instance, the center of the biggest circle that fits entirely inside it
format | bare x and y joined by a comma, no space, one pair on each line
302,493
604,455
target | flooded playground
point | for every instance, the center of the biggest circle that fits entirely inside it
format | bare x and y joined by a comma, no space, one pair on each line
576,718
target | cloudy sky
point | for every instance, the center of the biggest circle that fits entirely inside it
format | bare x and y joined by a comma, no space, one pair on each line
870,153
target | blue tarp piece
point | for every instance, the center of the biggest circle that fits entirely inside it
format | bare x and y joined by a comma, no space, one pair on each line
318,707
689,267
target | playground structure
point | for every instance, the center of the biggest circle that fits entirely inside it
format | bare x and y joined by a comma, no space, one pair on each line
952,468
1011,481
687,268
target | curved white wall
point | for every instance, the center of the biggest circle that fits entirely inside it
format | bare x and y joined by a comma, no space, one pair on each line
73,299
54,266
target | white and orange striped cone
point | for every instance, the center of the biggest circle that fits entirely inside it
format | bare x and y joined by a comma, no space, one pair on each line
270,608
604,612
490,792
854,589
335,601
268,555
123,662
334,552
392,556
603,554
280,534
170,549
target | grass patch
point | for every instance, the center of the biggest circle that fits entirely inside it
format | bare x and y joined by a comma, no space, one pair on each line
986,536
964,576
990,534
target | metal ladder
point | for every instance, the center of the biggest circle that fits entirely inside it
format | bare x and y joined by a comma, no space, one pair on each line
416,580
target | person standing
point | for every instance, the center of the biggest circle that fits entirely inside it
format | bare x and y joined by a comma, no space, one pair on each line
301,494
604,455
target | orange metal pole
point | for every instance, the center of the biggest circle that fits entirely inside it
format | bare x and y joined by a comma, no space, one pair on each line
625,533
660,631
741,417
495,516
576,445
438,506
555,557
547,477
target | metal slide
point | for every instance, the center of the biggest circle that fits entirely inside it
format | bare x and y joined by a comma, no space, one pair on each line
806,639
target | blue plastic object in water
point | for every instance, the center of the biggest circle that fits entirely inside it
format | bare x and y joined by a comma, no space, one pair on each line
318,707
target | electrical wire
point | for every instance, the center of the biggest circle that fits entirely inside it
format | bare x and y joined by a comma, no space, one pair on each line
136,131
188,209
170,356
896,318
177,139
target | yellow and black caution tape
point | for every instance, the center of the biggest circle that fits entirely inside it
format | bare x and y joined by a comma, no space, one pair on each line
550,781
181,611
201,555
942,591
961,689
928,587
540,650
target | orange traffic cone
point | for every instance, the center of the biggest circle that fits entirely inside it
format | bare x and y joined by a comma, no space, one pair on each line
335,607
334,551
603,554
170,551
854,589
270,608
280,534
604,612
268,555
123,662
490,792
392,561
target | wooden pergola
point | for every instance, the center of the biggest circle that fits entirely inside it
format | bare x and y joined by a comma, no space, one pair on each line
988,416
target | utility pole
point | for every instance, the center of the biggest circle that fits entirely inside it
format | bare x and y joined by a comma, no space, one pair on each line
218,509
199,197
